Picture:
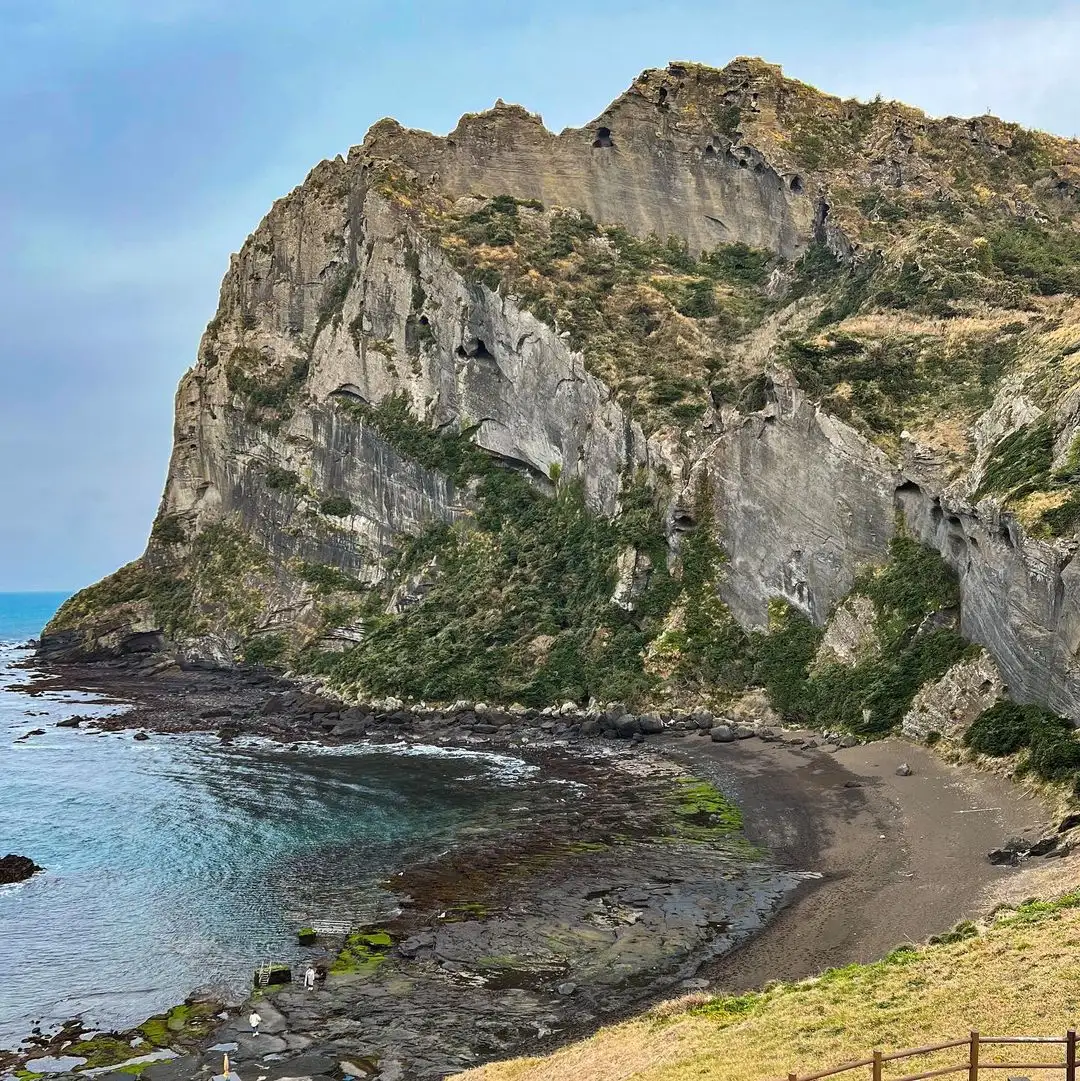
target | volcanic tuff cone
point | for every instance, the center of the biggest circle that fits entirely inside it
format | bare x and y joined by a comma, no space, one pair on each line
514,415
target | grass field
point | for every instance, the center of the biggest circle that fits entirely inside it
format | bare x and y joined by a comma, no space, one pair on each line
1018,975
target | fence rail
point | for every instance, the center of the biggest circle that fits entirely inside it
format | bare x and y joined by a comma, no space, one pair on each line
972,1066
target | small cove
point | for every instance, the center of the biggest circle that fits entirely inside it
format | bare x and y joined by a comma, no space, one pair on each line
181,862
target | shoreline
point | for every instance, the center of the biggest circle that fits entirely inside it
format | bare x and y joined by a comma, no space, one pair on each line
874,838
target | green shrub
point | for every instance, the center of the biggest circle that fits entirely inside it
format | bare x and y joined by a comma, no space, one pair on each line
333,298
915,582
1008,728
1047,260
246,377
782,659
266,649
450,453
1003,729
282,480
337,506
1020,463
327,579
168,529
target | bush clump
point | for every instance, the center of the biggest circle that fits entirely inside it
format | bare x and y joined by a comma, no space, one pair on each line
336,506
1008,728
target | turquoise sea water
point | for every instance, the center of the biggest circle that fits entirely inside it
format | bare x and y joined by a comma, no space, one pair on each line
22,615
179,862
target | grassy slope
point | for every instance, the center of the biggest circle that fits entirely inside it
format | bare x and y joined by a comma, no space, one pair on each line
1021,976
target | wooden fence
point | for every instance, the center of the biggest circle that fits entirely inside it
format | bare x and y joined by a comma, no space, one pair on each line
971,1064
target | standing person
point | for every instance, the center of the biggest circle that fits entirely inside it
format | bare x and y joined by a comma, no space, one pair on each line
254,1020
309,978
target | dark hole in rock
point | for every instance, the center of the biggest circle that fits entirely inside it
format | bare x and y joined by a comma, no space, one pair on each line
683,521
474,349
936,515
796,184
954,521
663,95
759,167
1006,536
957,545
349,390
603,137
710,151
743,163
143,642
423,320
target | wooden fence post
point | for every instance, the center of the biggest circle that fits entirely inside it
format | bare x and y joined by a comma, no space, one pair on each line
877,1066
973,1057
1070,1055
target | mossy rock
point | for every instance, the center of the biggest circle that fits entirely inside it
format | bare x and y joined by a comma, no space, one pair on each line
277,974
307,936
363,953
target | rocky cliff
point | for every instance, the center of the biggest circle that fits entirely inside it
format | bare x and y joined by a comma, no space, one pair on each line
629,411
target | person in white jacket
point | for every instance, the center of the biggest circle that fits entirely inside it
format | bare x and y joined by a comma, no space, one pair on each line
254,1020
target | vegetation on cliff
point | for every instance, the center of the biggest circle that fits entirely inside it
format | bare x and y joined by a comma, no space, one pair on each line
933,282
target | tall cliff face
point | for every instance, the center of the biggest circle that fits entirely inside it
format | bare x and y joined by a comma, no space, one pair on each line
531,415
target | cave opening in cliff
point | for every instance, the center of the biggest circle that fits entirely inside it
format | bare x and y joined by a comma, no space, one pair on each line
475,349
710,151
796,184
662,98
603,137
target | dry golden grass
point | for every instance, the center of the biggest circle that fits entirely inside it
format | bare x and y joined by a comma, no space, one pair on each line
1020,976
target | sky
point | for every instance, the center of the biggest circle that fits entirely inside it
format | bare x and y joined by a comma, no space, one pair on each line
144,140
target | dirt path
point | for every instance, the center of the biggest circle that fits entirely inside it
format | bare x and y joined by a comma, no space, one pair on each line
901,858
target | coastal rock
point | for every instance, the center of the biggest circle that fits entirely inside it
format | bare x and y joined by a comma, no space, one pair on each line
353,329
851,633
650,723
904,770
721,733
15,868
949,705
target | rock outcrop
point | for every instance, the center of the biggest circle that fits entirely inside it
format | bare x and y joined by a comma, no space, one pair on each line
721,314
16,869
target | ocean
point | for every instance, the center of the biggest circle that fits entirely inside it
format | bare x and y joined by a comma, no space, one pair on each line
179,862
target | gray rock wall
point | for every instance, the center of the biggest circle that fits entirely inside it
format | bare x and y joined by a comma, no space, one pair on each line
1020,596
802,503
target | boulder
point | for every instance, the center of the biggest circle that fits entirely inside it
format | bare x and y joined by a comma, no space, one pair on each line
626,726
141,736
1069,822
721,733
70,722
15,868
650,723
1003,857
591,727
702,718
904,770
1043,846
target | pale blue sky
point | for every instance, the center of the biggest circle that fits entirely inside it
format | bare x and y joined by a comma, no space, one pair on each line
144,139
